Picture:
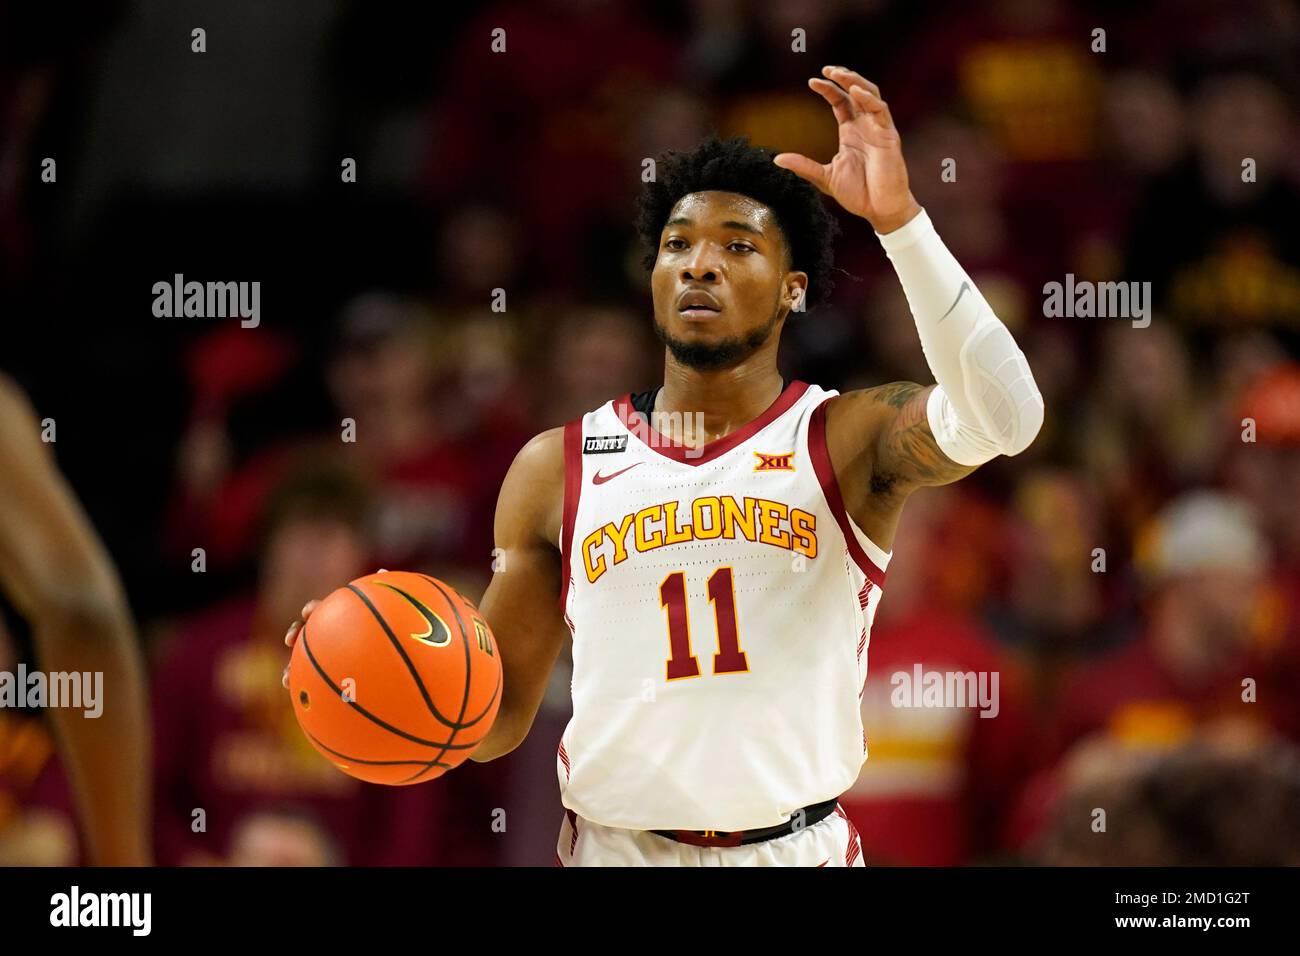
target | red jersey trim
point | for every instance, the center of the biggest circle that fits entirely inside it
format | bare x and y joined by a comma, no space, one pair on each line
698,456
572,490
821,461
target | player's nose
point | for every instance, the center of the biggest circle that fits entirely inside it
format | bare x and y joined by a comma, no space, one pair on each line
698,272
702,265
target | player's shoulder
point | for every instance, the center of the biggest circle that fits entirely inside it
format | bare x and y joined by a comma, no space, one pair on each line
890,395
538,470
543,453
862,411
532,495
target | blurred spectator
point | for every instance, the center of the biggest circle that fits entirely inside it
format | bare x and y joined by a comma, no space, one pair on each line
1200,661
1205,804
1024,69
228,746
543,126
1146,432
478,251
596,353
224,469
282,838
1146,135
1267,472
1055,602
939,780
433,430
1205,560
1267,469
1216,240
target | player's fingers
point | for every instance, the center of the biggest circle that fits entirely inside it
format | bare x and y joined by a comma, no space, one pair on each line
284,678
804,168
296,627
847,78
878,128
872,103
834,95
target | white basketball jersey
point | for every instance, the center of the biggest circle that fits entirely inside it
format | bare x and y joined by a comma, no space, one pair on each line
720,601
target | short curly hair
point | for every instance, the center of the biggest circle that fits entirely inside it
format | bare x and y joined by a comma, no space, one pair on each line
735,166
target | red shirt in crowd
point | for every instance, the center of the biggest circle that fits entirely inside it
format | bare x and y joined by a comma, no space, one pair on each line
938,780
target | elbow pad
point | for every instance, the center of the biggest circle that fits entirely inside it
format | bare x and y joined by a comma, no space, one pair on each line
986,403
1000,389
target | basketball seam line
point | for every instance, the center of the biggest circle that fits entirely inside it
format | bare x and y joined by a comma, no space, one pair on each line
357,707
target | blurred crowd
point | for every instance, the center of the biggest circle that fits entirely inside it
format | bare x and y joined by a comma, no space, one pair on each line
1133,578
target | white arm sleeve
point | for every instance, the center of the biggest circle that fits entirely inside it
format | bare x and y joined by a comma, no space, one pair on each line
987,403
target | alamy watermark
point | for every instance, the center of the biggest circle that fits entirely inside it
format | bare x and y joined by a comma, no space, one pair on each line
208,300
133,911
74,690
670,429
1102,300
922,688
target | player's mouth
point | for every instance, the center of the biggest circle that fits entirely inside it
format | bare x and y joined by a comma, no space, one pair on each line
698,304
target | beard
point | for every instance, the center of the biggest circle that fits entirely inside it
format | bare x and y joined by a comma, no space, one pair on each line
712,356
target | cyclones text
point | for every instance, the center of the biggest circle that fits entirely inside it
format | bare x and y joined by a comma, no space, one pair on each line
672,522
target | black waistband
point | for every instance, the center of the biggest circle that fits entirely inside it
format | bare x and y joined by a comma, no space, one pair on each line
799,820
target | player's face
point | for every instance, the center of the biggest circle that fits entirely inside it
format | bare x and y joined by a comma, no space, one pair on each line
721,282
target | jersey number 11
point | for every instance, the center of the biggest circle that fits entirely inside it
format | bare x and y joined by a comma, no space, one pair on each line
722,594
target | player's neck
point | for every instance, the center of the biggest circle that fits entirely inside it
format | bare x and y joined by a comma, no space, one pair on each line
722,400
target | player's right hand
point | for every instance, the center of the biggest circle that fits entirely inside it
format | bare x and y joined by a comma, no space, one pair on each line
291,635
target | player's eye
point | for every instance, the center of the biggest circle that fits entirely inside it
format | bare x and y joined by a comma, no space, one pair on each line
741,247
669,243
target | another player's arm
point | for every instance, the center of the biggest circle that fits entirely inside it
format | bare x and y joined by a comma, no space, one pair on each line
58,575
521,604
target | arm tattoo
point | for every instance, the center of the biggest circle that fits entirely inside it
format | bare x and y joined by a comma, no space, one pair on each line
907,453
895,394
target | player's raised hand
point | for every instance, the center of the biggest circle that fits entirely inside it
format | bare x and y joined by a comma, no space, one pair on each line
291,636
867,175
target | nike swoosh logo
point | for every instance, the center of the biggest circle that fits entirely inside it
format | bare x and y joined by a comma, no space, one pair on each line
965,287
436,634
599,479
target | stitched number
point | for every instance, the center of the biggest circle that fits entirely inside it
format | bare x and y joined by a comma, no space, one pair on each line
672,595
722,595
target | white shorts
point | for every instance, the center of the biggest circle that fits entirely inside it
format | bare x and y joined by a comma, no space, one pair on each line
831,841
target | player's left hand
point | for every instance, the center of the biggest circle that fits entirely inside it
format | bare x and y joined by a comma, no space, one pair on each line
867,176
291,636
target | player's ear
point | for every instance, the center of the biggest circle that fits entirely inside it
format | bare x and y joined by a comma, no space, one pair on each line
796,292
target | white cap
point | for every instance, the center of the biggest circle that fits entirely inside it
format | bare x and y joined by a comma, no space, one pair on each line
1203,531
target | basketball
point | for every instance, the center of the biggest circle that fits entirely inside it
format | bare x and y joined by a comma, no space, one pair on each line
395,678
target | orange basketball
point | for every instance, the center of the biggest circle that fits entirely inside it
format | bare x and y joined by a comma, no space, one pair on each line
395,678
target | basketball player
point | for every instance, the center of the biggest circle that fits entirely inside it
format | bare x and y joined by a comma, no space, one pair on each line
719,583
56,573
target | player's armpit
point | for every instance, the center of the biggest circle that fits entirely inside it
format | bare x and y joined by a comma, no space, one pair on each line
521,603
